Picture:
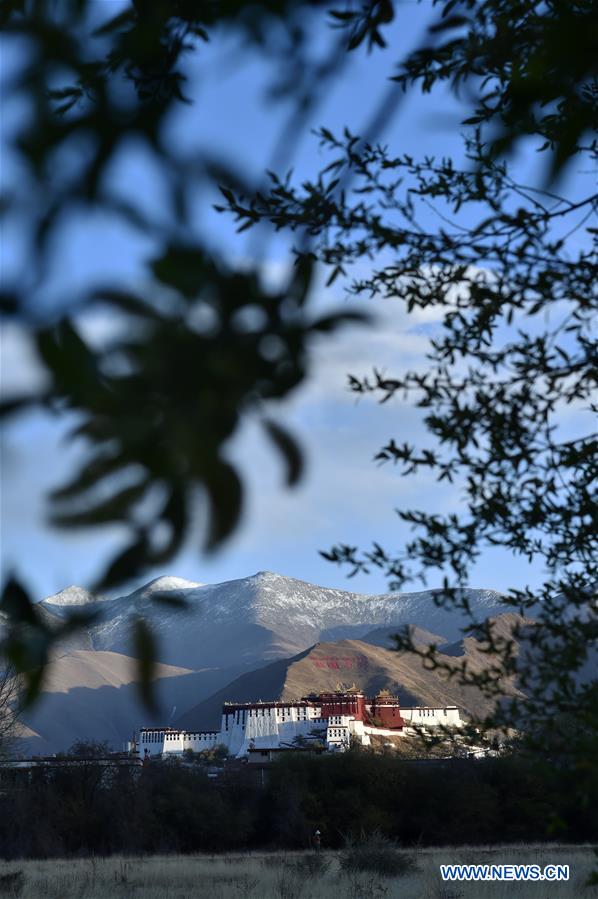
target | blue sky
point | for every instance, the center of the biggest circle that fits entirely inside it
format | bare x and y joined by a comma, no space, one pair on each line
344,496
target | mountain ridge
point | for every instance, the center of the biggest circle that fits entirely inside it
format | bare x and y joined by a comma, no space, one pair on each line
224,632
325,666
279,615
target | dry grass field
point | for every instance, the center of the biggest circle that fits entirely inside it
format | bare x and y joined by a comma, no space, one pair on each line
288,876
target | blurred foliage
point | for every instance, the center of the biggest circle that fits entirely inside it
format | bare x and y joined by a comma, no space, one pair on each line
158,405
200,343
505,275
28,637
528,68
512,360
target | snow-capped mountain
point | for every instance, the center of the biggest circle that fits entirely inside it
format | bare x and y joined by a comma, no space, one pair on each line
209,636
255,619
68,598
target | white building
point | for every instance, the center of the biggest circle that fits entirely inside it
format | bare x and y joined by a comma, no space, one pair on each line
330,719
262,725
431,717
162,740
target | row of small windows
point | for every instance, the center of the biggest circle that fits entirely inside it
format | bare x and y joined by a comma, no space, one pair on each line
414,714
160,736
285,711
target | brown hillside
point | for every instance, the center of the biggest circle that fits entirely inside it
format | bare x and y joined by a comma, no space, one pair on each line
370,667
94,695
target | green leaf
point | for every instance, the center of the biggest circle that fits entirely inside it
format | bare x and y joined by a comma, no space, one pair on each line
34,679
183,268
227,194
66,355
124,565
329,323
26,639
302,278
116,23
225,494
10,302
175,515
19,404
88,476
144,643
336,271
289,449
127,302
115,508
16,603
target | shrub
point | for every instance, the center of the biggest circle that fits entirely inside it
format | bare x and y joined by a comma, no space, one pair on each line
377,855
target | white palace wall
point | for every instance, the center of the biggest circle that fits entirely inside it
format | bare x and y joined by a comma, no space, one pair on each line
429,717
267,727
168,740
276,725
263,726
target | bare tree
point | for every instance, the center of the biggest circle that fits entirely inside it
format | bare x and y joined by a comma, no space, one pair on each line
9,707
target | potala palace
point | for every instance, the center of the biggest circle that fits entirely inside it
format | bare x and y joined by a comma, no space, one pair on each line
330,720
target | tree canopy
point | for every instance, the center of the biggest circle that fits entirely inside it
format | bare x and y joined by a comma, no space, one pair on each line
509,392
514,351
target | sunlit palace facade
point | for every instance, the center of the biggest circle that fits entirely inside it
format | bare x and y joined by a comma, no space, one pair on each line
332,720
